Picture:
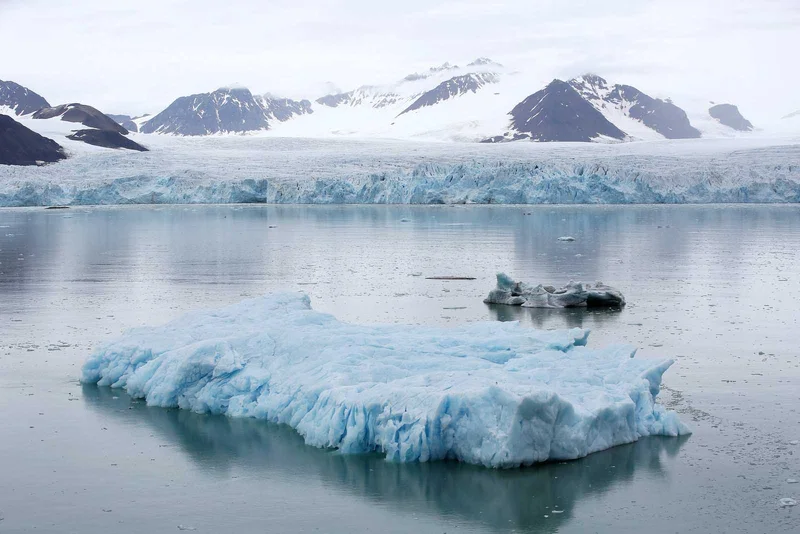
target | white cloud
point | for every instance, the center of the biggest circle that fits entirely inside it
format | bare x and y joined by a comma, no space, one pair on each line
136,56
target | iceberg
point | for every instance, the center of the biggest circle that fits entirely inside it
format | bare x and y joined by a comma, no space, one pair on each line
492,393
573,295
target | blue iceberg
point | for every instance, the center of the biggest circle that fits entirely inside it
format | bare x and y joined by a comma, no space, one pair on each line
491,393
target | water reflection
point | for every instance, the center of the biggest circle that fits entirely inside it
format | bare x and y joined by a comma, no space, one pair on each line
548,318
516,499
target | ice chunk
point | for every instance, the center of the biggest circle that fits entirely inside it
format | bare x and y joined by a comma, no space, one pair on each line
493,393
575,294
566,238
786,501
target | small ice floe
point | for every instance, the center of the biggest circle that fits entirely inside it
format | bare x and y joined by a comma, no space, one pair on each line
786,501
184,527
574,294
405,220
791,481
566,238
794,442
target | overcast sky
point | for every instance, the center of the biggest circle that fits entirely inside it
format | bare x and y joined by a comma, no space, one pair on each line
137,56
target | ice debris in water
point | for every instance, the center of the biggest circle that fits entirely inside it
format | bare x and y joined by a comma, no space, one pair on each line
566,238
786,501
492,393
575,294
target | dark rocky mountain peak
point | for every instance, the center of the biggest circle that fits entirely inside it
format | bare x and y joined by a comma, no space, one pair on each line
729,115
20,99
83,114
558,113
456,86
22,146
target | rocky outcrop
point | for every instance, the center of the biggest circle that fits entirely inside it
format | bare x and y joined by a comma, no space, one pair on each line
82,114
106,139
22,146
729,115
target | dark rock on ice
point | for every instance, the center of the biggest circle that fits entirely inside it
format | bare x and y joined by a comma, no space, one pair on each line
22,146
106,139
573,295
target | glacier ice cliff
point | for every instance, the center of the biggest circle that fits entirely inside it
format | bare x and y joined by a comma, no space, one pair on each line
273,170
495,394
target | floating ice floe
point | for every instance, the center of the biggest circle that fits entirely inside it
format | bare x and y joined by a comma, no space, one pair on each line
786,501
492,393
574,294
566,238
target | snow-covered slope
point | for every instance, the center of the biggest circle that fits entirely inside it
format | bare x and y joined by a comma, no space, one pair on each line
627,107
494,394
82,114
63,132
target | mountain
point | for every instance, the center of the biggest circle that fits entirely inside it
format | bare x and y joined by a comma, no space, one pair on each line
222,111
558,113
370,95
101,130
283,109
125,121
456,86
22,146
483,62
444,67
729,115
21,100
83,114
627,103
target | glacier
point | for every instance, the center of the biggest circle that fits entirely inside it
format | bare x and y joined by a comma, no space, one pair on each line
263,169
490,393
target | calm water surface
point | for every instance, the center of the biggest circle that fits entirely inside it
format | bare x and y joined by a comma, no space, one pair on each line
716,288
